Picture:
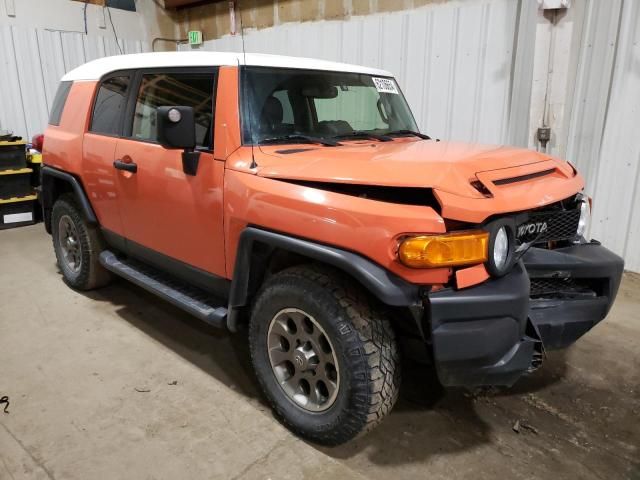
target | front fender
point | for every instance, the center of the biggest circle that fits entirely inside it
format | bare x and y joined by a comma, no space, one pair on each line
383,284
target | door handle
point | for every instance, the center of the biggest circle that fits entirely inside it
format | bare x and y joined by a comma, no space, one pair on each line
126,166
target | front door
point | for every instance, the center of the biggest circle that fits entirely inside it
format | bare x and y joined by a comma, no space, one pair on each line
169,217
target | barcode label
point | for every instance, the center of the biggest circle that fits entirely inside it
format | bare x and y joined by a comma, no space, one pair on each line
385,85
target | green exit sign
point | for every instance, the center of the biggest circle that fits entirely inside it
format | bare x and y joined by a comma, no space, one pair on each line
195,37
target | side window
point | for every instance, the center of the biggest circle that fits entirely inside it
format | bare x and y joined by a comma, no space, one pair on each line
167,89
109,107
58,102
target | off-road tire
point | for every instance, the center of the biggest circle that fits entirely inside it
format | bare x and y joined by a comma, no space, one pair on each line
91,273
363,341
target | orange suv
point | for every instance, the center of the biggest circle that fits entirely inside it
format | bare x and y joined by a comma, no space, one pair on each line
297,197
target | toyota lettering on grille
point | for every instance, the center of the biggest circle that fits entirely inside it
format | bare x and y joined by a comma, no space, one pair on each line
532,228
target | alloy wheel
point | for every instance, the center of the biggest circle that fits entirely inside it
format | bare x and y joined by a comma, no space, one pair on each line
69,244
303,360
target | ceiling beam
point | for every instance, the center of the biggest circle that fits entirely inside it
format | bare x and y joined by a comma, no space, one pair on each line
92,2
187,3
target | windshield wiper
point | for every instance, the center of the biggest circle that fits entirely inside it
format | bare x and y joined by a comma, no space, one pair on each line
363,134
409,132
305,138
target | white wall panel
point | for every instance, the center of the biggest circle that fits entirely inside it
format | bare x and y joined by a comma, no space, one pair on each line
453,61
51,61
31,78
615,182
32,61
593,81
11,108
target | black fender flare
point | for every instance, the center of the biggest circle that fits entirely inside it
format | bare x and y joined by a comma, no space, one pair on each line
380,282
76,187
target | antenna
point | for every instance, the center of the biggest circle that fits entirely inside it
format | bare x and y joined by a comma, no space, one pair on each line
244,57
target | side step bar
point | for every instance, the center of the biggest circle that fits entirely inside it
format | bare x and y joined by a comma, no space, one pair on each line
190,299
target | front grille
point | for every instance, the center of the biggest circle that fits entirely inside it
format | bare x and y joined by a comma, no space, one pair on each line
549,225
560,287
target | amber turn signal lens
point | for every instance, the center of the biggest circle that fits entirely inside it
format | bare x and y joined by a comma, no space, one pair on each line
431,251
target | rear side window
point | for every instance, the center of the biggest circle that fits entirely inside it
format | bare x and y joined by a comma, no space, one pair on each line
58,102
167,89
110,105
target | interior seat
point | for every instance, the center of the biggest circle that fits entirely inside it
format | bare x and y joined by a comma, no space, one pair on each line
271,116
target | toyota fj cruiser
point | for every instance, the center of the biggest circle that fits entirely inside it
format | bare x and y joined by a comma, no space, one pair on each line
298,197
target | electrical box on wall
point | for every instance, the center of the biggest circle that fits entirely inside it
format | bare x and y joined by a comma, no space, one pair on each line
553,4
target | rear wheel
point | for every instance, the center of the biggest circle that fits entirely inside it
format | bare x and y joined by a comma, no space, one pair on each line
77,246
324,354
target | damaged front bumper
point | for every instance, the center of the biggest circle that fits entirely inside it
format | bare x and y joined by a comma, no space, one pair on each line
493,333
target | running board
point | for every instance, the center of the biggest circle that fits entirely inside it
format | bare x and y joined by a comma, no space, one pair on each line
190,299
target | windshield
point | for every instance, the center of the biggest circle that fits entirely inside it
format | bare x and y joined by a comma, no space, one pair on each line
283,103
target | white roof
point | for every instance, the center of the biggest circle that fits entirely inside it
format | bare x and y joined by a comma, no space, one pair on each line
95,69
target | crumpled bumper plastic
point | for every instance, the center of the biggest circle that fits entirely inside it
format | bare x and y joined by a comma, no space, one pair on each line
493,333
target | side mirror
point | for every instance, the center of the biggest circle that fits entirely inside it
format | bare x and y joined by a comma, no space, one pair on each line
177,129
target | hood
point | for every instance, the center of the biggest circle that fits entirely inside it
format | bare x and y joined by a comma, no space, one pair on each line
443,166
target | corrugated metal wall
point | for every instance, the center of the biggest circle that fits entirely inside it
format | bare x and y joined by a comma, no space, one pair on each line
32,61
606,139
465,68
458,65
454,61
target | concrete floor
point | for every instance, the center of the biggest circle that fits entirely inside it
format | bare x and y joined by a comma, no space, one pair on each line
117,384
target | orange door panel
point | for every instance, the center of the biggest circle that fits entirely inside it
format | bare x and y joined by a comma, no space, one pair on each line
99,179
168,211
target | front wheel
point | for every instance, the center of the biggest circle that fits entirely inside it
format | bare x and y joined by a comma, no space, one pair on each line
324,353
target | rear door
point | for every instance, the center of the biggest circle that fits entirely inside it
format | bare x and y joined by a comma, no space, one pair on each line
99,145
170,218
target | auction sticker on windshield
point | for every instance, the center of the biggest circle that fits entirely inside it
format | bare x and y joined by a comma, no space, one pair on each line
385,85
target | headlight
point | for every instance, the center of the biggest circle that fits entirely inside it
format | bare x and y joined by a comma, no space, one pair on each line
501,249
501,246
453,249
585,218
